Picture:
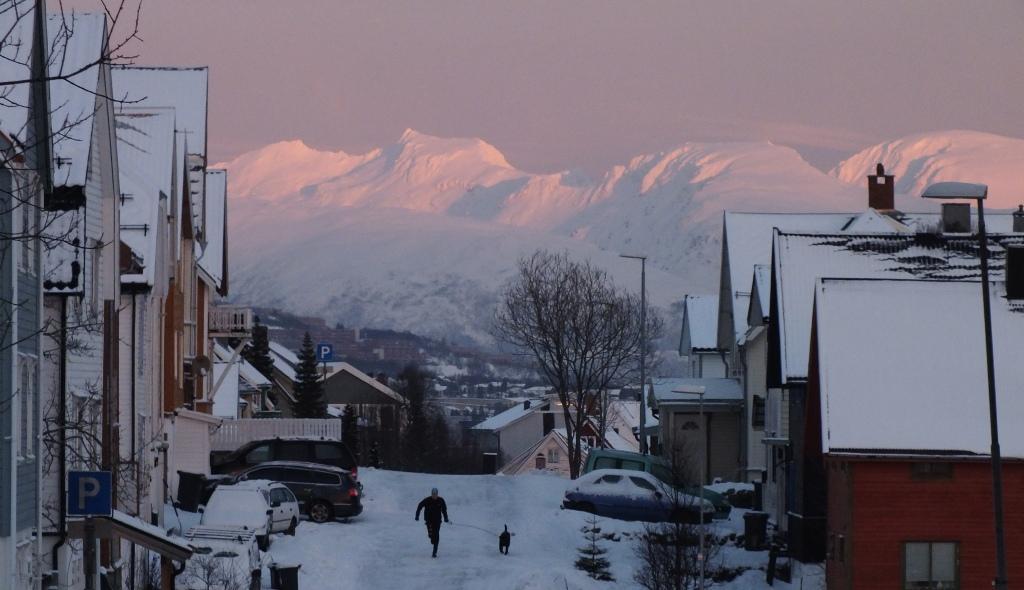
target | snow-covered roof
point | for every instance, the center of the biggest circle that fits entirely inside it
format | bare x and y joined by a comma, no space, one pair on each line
347,368
213,258
747,241
284,352
926,387
715,390
700,323
145,151
760,295
626,413
15,58
150,536
76,40
185,89
513,414
800,259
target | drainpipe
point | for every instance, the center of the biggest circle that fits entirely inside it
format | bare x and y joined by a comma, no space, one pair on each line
131,445
748,417
62,456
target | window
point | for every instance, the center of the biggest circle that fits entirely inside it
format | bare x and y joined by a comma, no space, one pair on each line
28,235
605,463
278,495
327,451
25,415
292,451
294,476
632,465
923,470
539,462
611,479
553,456
930,566
258,455
322,477
270,473
757,413
643,483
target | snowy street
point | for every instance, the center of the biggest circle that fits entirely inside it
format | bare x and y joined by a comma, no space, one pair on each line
385,548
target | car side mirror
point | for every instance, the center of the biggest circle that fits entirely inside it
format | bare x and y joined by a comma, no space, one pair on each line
275,504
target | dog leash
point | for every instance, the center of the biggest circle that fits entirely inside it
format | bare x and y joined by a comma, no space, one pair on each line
479,529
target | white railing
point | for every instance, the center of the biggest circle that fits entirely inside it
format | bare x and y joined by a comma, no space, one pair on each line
230,320
235,433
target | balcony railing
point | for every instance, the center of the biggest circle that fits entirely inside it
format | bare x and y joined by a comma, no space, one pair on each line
230,321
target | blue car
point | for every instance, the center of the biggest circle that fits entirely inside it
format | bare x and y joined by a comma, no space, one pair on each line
634,495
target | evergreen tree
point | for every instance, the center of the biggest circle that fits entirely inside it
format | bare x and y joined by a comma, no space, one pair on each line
309,389
257,353
350,430
414,440
440,443
591,559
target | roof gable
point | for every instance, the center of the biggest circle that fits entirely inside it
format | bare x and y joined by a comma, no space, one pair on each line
700,320
213,259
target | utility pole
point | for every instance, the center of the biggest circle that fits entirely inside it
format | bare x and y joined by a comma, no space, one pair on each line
643,349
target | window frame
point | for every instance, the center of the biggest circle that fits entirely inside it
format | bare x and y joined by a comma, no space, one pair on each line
905,545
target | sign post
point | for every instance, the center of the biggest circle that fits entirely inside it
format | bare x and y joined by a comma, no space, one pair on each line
89,495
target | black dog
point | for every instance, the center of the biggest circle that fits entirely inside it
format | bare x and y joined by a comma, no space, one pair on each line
504,540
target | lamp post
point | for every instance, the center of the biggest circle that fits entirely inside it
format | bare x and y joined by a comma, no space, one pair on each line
643,348
978,192
699,390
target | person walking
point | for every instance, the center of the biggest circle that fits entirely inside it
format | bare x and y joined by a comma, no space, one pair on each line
433,508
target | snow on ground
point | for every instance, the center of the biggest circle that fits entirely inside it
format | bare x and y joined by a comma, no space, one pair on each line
385,548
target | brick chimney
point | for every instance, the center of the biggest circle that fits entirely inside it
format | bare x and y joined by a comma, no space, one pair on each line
1015,272
881,192
1018,219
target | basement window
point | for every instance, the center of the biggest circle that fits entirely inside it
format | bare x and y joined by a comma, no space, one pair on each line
928,565
931,470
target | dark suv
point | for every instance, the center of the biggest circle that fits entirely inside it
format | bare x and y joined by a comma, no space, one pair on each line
321,451
324,492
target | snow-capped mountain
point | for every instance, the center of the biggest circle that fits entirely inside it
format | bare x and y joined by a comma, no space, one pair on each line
919,160
422,234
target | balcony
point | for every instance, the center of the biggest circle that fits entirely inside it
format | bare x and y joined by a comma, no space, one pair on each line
227,321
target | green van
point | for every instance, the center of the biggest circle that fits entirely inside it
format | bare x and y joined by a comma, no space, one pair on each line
653,464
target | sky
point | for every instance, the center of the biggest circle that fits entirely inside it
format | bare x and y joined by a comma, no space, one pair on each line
584,84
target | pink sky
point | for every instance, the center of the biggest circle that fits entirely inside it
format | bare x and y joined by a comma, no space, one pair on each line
587,83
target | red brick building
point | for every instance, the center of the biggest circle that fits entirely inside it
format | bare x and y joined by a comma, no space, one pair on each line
897,431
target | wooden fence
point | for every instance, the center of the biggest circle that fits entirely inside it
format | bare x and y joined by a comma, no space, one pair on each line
235,433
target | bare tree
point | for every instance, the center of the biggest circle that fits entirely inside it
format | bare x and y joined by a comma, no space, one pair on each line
582,331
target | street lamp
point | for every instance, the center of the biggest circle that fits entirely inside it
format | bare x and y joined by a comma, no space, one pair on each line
699,390
643,348
978,192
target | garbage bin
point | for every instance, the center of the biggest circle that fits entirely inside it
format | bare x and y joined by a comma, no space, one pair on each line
755,530
190,490
284,576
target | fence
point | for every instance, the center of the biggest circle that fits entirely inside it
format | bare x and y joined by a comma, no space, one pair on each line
235,433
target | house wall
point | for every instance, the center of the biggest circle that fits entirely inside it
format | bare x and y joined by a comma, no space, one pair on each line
706,365
190,447
755,387
519,436
878,505
559,467
717,440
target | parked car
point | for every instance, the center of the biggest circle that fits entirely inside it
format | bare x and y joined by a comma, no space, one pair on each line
324,492
634,495
262,506
223,558
656,466
307,450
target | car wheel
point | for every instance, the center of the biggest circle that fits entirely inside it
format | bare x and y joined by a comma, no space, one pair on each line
320,512
291,527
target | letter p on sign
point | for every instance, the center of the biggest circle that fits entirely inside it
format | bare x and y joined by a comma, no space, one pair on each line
89,493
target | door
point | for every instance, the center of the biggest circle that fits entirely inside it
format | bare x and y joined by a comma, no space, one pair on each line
282,507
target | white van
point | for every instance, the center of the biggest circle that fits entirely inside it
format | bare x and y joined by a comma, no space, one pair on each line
223,558
259,505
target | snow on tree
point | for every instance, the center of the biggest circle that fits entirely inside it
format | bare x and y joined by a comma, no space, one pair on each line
591,559
309,388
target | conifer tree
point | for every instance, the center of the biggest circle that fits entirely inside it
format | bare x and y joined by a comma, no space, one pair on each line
309,392
350,430
591,559
414,441
257,353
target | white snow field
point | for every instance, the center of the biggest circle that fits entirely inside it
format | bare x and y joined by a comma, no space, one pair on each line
385,548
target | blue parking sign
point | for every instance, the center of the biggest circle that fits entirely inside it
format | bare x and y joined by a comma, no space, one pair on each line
324,352
89,493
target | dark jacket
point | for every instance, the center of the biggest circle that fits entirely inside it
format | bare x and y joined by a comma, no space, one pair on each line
433,509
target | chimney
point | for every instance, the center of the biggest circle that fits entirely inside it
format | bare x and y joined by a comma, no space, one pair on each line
956,218
881,192
1015,272
526,405
1018,219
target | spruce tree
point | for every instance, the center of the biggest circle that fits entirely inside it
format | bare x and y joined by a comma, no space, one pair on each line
257,353
414,440
309,392
350,430
591,559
